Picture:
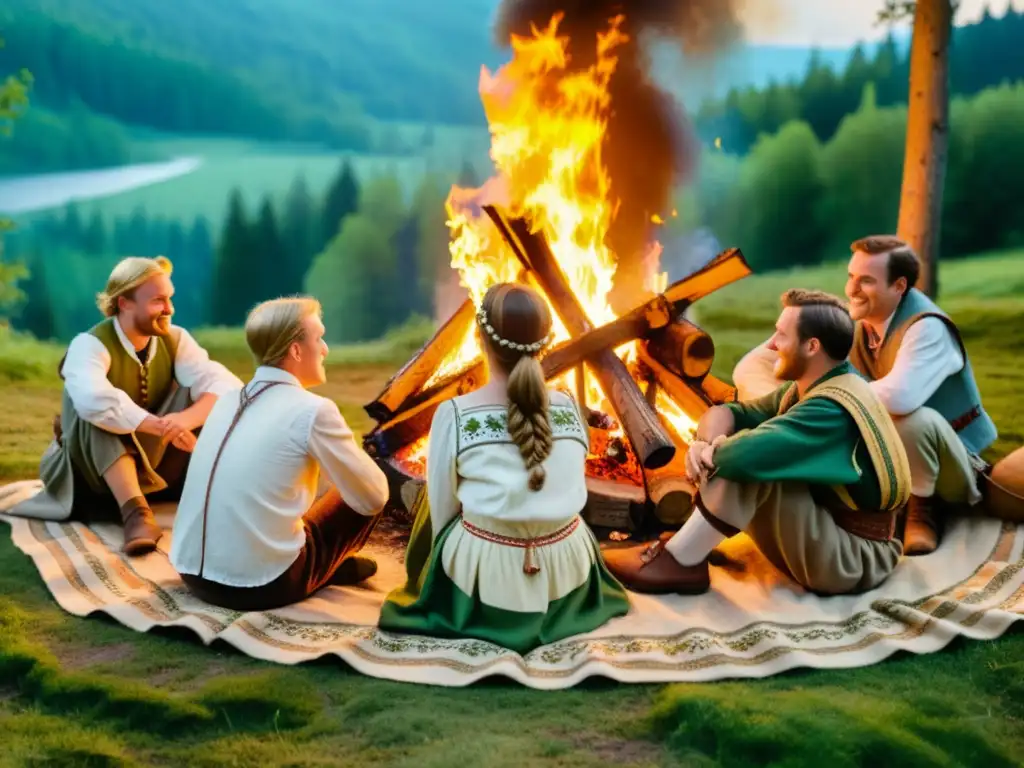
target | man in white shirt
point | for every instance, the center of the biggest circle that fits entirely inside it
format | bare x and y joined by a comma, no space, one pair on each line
918,366
250,533
136,391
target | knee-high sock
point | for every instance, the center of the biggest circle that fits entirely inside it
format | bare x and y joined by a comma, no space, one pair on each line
694,541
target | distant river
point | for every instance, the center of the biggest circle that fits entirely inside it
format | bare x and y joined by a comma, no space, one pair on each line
23,194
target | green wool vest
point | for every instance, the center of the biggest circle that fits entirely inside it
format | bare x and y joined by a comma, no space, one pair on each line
957,399
147,385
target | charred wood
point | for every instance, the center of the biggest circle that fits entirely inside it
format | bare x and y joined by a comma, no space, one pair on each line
650,442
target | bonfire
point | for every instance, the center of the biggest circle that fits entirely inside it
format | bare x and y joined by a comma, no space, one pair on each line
642,377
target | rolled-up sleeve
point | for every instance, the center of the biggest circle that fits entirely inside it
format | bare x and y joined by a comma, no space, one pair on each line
195,371
361,483
95,399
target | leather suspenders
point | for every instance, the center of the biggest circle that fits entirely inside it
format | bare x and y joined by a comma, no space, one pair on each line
244,401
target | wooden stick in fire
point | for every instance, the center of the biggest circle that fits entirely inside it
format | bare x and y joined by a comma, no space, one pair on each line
678,343
411,419
415,373
652,445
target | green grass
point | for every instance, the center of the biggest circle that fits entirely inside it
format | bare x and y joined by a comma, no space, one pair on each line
90,692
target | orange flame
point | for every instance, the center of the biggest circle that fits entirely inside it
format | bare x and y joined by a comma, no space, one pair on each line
547,126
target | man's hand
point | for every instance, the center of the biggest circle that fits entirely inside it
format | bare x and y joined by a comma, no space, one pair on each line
166,428
700,460
695,461
186,442
181,421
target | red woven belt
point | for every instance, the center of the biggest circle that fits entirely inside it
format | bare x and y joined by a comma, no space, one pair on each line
529,564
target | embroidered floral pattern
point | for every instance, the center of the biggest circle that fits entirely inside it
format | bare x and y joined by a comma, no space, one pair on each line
98,577
480,426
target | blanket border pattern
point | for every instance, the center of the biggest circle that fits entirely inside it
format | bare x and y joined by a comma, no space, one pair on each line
887,626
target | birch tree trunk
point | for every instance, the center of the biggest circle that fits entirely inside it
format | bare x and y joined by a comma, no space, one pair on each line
924,165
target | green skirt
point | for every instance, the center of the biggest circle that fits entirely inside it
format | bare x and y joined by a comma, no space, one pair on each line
430,603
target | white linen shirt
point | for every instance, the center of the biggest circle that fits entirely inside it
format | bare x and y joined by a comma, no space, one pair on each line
99,402
927,356
266,481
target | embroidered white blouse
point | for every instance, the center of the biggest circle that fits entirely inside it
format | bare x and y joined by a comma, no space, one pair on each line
473,465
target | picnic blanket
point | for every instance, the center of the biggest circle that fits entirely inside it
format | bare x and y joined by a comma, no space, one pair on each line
753,623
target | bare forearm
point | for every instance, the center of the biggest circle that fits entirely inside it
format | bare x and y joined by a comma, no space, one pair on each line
197,413
716,422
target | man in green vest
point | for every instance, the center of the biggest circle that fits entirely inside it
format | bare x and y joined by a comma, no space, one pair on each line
814,472
136,390
918,366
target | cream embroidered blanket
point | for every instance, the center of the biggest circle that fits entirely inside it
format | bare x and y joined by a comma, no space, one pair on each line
753,623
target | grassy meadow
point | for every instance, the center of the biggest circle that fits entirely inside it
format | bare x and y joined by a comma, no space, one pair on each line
90,692
260,168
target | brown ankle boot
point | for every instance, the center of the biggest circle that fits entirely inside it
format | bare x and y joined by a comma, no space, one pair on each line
651,568
141,532
921,534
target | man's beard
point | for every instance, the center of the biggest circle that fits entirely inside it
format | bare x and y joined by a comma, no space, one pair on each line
155,326
791,368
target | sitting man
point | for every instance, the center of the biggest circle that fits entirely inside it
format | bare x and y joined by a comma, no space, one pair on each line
128,420
250,533
918,366
814,473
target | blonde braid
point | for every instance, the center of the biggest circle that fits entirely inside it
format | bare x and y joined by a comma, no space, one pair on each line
529,423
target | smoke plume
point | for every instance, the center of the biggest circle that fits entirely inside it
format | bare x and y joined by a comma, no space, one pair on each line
649,145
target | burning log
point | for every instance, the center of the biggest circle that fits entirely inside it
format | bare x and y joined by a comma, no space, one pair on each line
650,442
417,372
717,391
414,422
658,313
683,348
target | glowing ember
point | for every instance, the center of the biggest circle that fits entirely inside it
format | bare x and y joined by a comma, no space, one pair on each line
547,126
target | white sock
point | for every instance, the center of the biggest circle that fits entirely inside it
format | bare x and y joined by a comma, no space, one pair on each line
694,541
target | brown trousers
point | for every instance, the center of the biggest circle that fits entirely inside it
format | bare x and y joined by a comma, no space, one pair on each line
334,532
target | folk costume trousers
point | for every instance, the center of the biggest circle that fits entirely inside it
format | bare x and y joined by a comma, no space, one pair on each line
334,532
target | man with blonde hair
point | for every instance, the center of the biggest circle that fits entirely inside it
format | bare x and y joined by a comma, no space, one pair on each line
813,472
915,358
136,389
250,533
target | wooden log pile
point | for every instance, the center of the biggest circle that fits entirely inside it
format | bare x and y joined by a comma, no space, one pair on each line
674,360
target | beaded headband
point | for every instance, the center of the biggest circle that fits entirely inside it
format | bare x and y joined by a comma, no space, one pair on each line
537,346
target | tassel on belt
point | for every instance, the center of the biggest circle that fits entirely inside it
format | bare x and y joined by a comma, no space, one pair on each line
530,566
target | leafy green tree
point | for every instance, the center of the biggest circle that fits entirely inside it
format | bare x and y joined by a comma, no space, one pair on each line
862,168
13,101
433,258
341,277
780,188
984,206
37,313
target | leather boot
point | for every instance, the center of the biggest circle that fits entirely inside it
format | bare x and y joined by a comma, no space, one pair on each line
650,568
141,532
354,569
921,534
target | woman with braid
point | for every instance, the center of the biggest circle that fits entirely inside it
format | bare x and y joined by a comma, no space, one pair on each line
499,551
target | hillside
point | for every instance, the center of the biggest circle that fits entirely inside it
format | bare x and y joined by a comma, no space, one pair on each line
385,59
390,59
